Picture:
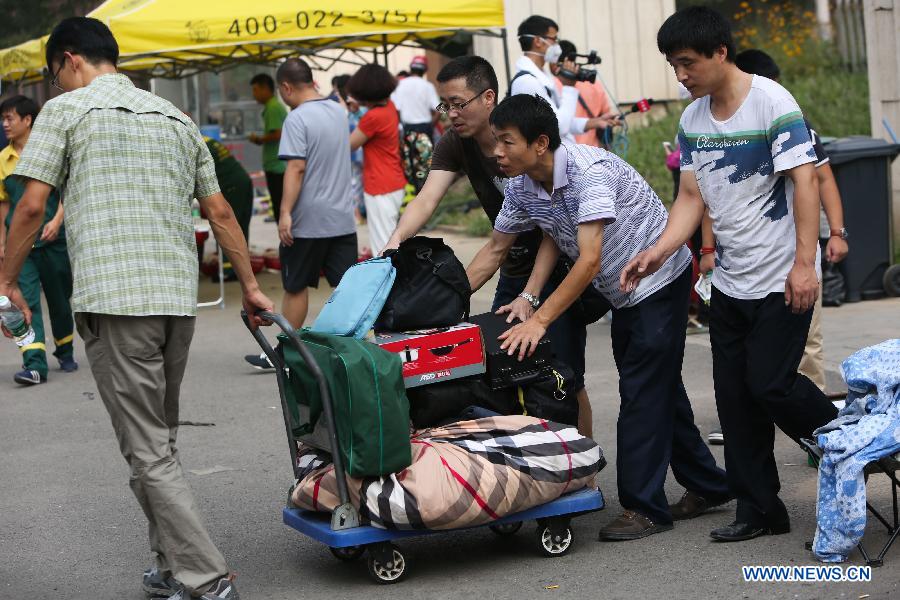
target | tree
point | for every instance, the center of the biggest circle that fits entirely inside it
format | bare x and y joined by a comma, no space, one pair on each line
23,21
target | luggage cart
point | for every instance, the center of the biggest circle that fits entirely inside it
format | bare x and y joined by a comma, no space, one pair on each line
342,532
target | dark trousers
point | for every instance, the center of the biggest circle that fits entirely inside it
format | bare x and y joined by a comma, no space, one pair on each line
240,198
756,347
275,183
48,268
656,424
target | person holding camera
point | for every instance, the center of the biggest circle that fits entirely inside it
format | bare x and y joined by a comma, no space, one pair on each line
592,98
539,39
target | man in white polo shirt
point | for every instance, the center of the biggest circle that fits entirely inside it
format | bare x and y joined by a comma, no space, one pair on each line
539,39
416,99
597,210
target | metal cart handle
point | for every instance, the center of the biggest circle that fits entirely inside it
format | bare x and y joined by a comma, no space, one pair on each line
344,516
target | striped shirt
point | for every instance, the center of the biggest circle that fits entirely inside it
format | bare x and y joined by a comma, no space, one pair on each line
591,184
128,164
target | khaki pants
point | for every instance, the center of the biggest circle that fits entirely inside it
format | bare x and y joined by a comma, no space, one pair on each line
813,362
138,364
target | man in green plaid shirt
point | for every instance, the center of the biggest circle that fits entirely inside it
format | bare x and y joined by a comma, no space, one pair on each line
128,165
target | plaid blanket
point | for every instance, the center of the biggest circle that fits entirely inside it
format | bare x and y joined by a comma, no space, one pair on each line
463,474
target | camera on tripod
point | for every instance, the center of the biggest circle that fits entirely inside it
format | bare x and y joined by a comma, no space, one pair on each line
582,74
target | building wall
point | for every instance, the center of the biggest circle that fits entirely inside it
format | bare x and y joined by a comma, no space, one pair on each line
882,18
623,32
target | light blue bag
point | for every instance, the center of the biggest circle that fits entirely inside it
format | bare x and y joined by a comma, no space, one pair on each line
358,299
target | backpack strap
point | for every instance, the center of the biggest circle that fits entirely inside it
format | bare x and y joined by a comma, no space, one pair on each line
519,74
584,105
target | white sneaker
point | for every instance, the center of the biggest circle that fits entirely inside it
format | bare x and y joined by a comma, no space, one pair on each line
223,589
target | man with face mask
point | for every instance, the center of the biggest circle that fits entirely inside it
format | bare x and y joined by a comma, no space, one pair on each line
539,39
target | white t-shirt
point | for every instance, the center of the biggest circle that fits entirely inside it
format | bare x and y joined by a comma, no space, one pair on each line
739,165
415,98
531,80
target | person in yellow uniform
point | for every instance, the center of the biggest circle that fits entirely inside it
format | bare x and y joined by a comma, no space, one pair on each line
47,266
237,187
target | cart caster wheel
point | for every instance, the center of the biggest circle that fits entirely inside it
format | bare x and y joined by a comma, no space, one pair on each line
506,529
387,572
554,543
349,553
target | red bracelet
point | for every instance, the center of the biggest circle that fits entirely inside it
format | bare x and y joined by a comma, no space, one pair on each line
707,250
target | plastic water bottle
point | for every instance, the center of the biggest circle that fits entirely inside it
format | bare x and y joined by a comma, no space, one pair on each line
195,212
14,321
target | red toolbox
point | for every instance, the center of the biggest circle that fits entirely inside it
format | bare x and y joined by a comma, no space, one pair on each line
432,355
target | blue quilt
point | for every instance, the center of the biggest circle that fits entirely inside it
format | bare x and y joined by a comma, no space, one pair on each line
866,429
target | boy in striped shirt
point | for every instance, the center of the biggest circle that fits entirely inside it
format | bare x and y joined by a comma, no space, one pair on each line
595,209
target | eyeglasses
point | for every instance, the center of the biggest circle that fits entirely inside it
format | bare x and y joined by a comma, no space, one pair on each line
445,107
55,81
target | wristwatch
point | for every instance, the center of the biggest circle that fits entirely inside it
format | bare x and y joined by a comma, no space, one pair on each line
533,300
841,233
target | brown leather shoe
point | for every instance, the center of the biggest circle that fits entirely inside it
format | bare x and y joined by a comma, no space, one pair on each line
631,526
692,505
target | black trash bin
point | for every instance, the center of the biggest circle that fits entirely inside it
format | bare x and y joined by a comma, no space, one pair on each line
862,168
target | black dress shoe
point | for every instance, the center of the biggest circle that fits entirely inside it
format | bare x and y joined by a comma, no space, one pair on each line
739,532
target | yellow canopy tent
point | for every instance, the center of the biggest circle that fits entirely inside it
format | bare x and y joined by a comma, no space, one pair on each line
173,38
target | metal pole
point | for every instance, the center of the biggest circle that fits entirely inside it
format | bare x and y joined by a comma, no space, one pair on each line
344,516
506,58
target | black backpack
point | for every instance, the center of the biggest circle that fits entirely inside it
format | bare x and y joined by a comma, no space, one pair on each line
553,398
431,288
445,402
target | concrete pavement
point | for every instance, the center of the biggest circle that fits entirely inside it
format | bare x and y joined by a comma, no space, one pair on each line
71,528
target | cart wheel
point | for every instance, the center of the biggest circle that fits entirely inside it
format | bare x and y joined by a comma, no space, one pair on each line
349,553
390,572
554,544
892,280
506,529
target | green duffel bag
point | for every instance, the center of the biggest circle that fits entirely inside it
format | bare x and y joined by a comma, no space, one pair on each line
370,407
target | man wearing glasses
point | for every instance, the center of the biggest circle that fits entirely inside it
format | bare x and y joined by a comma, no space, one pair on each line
539,39
468,90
